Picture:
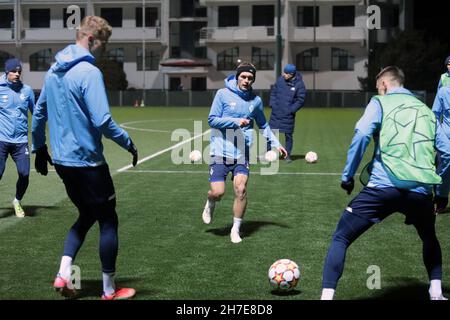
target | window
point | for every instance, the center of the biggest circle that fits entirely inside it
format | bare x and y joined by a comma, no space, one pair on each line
229,16
389,15
187,8
41,60
341,60
343,16
305,16
198,84
263,15
151,17
6,18
308,60
3,57
226,60
67,15
174,83
112,15
184,40
263,59
39,18
151,60
116,54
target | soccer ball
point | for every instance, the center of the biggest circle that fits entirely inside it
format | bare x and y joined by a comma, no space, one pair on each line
311,157
284,275
195,156
271,156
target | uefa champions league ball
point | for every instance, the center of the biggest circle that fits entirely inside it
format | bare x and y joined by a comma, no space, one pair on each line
311,157
284,275
195,156
271,156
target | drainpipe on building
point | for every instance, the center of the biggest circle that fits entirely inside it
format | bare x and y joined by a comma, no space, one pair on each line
314,46
279,39
143,54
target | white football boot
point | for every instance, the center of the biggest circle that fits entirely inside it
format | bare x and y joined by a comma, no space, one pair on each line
208,211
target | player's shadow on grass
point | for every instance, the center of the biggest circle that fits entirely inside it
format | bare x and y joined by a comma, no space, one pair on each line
297,157
30,211
408,289
445,211
285,293
92,289
247,229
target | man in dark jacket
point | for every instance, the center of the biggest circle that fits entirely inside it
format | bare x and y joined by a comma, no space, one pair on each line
286,98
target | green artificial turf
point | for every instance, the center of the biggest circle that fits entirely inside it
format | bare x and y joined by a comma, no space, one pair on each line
166,252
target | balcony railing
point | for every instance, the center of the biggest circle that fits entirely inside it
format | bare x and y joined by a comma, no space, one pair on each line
6,35
237,34
328,33
118,34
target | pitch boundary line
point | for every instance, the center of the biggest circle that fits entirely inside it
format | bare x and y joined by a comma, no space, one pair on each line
126,125
14,221
123,169
206,172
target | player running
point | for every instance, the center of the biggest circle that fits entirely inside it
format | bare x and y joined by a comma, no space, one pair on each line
233,112
16,99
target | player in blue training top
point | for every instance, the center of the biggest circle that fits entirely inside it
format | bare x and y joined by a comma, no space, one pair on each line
444,80
402,175
233,113
74,102
16,99
441,109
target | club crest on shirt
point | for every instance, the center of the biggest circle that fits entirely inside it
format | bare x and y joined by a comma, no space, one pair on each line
4,98
232,105
292,89
22,97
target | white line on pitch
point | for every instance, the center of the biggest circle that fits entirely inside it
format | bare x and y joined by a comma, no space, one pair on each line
206,172
163,151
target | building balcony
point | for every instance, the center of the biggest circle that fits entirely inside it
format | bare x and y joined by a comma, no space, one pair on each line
66,35
337,2
136,34
225,2
328,34
237,34
384,35
6,35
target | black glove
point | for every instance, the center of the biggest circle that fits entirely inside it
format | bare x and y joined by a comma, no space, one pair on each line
133,150
440,203
40,162
348,185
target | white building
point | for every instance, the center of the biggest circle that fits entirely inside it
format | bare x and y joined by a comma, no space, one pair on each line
197,43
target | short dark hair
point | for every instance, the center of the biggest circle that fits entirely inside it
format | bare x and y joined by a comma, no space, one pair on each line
394,73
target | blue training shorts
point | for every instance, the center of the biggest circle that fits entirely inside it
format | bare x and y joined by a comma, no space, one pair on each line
20,154
376,205
87,186
220,167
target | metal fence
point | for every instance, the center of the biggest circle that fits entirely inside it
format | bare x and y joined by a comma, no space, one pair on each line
314,99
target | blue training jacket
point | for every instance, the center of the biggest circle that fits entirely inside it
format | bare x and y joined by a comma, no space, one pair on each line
74,101
441,109
229,106
286,98
369,125
15,101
